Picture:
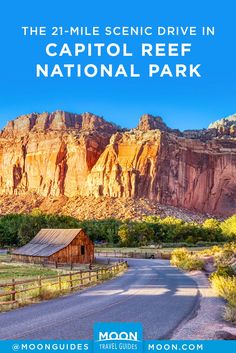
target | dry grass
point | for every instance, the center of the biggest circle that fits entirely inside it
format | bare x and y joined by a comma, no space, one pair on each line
225,286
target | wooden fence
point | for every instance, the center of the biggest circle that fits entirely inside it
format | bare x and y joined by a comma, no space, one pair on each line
22,290
63,265
156,254
130,254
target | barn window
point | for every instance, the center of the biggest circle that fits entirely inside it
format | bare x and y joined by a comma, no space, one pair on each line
82,250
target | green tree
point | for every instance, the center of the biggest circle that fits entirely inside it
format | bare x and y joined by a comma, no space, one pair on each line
228,227
212,229
142,233
171,229
124,235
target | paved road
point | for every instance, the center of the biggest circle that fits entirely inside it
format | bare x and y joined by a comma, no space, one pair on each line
151,292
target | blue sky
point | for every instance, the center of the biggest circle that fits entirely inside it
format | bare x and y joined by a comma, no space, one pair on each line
183,103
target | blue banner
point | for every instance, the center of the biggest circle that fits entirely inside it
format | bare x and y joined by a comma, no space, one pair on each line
89,346
117,337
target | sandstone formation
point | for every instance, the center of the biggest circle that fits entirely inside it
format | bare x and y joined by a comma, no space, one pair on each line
72,156
51,154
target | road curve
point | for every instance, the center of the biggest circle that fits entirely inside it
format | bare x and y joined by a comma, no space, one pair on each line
151,292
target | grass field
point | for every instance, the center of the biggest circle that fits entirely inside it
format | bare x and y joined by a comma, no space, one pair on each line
9,271
17,270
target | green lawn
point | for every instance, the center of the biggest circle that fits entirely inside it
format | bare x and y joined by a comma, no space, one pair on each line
10,270
18,270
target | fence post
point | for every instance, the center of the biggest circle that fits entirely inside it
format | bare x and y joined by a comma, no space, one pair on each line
81,278
97,271
89,276
71,281
40,285
13,297
59,282
71,266
56,264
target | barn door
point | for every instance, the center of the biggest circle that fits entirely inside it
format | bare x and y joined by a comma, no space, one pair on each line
75,253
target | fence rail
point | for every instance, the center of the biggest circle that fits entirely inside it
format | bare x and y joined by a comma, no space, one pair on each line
130,254
65,282
155,254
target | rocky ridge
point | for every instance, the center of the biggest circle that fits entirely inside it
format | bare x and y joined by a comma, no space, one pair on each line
78,156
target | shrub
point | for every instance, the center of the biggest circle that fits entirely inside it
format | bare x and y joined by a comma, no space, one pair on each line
178,256
192,264
225,287
183,259
230,313
49,292
228,227
223,253
225,271
225,257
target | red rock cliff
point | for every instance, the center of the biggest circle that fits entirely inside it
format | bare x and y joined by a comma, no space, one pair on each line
69,154
51,154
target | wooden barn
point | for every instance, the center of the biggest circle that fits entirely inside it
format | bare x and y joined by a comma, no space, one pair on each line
57,245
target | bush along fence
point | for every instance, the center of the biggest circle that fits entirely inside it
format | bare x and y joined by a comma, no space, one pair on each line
24,292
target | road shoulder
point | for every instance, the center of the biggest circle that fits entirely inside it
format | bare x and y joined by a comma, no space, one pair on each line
207,322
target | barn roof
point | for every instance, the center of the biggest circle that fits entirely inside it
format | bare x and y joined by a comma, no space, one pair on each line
47,242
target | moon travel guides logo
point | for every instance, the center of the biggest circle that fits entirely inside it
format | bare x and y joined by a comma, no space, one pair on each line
118,336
